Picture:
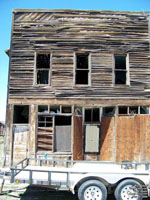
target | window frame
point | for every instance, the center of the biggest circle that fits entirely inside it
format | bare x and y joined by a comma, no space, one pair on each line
42,69
121,70
89,69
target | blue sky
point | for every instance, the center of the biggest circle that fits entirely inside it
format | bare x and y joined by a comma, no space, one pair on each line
6,7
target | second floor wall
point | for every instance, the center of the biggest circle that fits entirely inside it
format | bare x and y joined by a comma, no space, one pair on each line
79,54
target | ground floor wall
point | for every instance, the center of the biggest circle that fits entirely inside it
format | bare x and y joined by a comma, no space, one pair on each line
116,131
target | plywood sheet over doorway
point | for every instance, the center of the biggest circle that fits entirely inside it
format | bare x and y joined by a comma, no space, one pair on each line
107,139
78,139
133,138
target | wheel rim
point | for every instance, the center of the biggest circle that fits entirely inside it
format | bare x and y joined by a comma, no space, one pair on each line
93,193
129,192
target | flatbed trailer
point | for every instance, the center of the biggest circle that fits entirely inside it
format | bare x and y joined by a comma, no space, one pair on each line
90,180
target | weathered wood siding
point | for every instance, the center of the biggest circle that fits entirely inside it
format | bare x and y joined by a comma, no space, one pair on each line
65,32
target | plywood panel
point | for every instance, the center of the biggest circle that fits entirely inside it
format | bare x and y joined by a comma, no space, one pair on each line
107,139
133,138
78,141
125,138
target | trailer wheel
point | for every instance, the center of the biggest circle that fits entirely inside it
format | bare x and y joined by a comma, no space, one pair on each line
129,190
92,190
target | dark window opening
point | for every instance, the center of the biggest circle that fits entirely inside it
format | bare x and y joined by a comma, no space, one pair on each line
42,68
54,109
43,109
133,110
108,111
66,109
123,110
62,120
120,69
43,61
88,115
120,77
42,77
144,110
82,69
82,61
120,62
45,121
92,115
21,114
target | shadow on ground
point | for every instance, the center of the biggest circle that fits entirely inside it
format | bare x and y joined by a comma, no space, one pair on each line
38,193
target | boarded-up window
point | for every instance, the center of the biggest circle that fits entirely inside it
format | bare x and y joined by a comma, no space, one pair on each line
82,69
43,69
21,114
121,71
91,139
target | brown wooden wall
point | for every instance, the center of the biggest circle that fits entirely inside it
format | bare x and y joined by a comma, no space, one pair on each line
131,135
65,32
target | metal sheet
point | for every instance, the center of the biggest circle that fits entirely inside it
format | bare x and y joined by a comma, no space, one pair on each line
63,139
92,138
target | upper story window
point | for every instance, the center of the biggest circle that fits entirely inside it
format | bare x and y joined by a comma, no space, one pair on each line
121,70
42,75
82,72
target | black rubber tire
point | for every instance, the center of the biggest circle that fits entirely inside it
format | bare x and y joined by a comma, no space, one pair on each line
89,183
125,183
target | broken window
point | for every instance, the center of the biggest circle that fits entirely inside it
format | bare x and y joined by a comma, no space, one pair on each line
42,69
123,110
82,69
133,110
66,109
78,110
108,111
21,114
43,108
54,109
144,110
92,115
120,69
45,121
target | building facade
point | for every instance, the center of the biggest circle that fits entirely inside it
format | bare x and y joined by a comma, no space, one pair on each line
79,85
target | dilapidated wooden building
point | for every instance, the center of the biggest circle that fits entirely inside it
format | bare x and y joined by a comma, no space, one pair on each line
79,85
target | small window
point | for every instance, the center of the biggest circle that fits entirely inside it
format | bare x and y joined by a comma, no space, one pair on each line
144,110
78,110
21,114
108,111
43,108
82,69
92,115
42,69
133,110
120,70
54,109
66,109
123,110
45,121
